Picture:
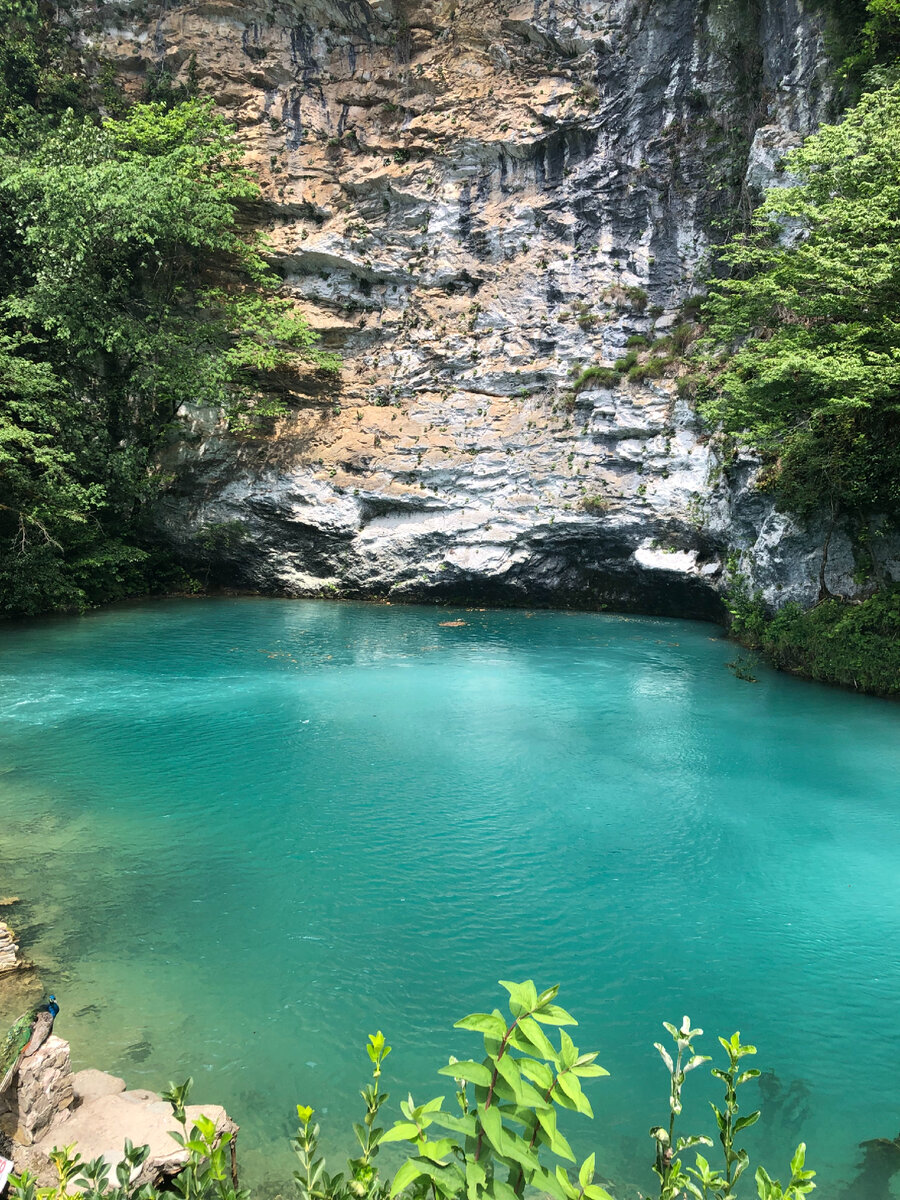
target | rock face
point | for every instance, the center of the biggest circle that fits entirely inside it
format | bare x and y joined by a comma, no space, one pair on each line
41,1094
50,1106
9,950
474,201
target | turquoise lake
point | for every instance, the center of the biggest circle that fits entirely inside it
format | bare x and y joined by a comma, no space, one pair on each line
249,832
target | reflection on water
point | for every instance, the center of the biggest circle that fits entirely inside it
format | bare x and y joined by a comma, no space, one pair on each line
247,833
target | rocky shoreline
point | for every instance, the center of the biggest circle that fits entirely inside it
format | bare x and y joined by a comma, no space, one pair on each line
52,1106
48,1105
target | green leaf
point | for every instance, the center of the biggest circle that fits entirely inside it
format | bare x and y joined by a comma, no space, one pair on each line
538,1072
475,1176
593,1191
493,1127
500,1190
531,1039
447,1177
552,1014
745,1122
743,1162
507,1068
557,1145
665,1056
402,1131
522,1092
458,1124
522,996
586,1173
568,1051
799,1159
518,1150
408,1173
437,1150
592,1071
565,1189
569,1084
490,1023
472,1072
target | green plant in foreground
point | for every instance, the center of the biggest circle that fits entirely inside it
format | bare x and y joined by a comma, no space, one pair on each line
668,1165
729,1123
514,1114
312,1181
496,1146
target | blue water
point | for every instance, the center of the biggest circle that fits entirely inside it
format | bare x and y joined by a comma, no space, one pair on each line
249,832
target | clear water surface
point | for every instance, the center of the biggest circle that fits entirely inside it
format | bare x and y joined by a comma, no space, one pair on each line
250,832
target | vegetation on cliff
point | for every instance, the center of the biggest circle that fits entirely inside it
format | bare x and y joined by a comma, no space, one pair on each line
803,345
801,360
130,287
502,1143
852,645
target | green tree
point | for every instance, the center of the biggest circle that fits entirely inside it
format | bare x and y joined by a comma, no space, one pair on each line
131,288
802,354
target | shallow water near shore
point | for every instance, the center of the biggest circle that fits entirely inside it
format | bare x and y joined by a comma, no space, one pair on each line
249,832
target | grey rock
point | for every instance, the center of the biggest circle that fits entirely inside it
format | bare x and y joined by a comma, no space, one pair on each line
473,206
41,1095
90,1084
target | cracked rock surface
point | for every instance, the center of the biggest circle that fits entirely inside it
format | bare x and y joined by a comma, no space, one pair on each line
474,201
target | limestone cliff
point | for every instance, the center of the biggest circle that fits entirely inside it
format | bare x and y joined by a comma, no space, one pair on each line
474,200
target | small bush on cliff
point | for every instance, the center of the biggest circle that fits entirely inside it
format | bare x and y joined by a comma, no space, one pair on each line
502,1141
601,377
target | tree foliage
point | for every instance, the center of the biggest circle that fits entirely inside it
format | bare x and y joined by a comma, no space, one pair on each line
130,287
803,345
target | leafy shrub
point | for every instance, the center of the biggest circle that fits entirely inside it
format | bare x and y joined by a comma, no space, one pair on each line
854,645
652,368
603,377
503,1140
691,307
682,336
596,505
129,286
628,296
